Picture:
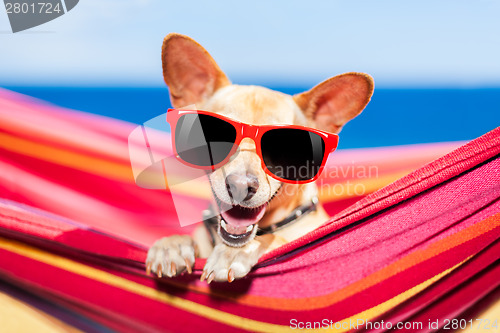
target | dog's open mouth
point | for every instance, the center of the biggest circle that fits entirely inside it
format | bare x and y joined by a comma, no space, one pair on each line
239,224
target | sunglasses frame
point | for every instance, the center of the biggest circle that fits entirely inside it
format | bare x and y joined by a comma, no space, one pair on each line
254,132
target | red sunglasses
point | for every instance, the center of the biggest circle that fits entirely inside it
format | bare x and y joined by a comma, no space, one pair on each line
289,153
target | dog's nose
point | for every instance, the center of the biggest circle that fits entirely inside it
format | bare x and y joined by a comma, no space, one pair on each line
241,187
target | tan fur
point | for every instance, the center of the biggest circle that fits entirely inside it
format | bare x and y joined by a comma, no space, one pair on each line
193,77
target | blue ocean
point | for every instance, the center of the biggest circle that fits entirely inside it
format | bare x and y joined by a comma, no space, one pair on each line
393,117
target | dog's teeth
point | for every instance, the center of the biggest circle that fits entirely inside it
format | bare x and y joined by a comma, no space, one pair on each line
249,228
223,224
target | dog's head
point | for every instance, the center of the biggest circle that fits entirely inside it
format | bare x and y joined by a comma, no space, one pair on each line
247,196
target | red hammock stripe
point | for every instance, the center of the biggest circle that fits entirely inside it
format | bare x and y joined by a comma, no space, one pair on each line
85,290
424,247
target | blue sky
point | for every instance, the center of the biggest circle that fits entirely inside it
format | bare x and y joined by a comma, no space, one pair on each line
401,43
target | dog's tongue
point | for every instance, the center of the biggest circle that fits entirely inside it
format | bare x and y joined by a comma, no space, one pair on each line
239,218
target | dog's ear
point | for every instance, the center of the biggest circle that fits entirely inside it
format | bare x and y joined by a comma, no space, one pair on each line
189,71
334,102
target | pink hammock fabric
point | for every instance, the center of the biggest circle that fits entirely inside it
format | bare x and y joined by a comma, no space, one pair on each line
77,165
74,230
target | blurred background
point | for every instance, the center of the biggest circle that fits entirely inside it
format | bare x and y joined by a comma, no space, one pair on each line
436,64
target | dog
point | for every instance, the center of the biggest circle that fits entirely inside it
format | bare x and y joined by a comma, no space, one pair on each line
284,211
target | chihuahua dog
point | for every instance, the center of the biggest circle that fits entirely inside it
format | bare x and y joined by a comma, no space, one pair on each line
261,209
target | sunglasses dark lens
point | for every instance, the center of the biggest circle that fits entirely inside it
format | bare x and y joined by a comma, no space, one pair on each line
292,154
203,140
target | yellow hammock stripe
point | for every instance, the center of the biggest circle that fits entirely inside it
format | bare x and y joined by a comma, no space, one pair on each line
123,172
78,161
356,187
17,316
189,306
93,165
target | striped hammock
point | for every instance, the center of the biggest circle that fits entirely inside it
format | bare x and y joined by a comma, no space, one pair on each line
416,247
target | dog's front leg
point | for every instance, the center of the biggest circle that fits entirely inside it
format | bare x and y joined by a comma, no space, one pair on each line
170,256
227,263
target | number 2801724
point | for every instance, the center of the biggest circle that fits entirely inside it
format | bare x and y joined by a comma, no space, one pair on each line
32,8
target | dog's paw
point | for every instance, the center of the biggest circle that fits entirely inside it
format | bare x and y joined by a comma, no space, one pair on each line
172,255
228,263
